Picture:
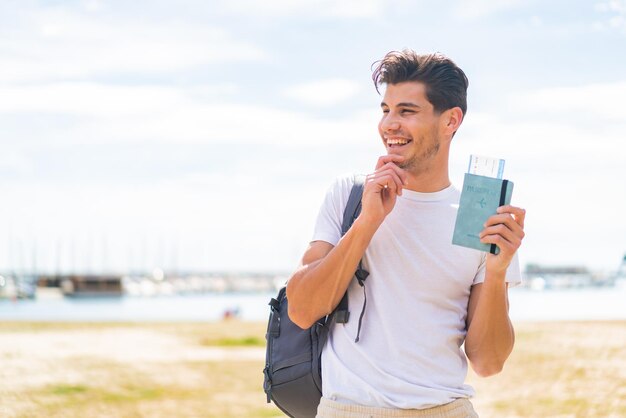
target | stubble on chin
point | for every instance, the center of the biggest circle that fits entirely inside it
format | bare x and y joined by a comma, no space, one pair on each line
420,163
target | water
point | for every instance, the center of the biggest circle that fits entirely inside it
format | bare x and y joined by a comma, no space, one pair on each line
603,303
202,307
526,305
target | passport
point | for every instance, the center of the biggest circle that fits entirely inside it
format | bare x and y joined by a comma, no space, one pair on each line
480,198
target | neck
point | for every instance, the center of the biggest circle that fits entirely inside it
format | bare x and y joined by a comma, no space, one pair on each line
431,177
427,182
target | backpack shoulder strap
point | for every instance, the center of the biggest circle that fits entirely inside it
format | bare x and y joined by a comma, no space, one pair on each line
352,211
353,207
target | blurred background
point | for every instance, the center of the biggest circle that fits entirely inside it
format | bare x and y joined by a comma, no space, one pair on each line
167,159
201,136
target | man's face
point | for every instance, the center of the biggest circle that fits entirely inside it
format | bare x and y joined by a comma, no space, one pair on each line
409,125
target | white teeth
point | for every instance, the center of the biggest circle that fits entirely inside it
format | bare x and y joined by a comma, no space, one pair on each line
397,142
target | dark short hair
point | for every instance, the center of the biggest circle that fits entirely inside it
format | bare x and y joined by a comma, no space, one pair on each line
446,84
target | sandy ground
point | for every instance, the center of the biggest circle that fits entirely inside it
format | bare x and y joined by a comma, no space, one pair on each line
132,370
214,370
560,370
35,357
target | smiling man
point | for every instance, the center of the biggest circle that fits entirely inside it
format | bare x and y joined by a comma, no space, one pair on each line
425,297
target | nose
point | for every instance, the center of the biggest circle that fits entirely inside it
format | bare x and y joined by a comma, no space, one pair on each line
389,123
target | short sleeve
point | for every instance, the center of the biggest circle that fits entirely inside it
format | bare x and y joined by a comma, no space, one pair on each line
330,216
513,273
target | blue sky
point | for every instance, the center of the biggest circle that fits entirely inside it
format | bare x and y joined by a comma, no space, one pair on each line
203,135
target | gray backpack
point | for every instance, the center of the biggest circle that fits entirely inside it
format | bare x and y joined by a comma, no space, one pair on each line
293,360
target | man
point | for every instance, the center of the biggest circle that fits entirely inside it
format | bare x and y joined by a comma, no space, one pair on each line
425,296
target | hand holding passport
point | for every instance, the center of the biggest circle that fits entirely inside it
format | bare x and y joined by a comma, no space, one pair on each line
480,198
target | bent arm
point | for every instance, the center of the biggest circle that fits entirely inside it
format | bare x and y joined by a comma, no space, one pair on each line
316,288
325,272
490,336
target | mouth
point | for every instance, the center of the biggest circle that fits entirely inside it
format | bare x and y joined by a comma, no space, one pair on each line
396,143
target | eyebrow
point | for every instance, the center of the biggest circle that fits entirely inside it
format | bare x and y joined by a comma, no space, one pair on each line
403,104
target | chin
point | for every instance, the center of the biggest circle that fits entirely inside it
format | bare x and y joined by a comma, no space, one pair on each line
391,151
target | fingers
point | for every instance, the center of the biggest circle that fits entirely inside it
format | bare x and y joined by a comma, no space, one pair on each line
507,220
388,175
506,229
386,178
507,248
390,158
519,214
502,236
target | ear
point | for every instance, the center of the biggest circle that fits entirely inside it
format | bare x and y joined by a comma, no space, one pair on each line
451,120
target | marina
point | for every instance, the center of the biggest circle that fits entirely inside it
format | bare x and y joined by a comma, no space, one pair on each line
547,293
156,283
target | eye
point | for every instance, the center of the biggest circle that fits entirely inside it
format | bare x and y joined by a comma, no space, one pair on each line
385,111
407,111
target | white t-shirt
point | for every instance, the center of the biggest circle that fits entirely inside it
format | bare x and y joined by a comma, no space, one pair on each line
409,354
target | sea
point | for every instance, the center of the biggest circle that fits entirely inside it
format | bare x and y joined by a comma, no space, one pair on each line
578,304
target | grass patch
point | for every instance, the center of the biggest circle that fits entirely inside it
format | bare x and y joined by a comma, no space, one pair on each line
133,394
75,394
78,401
64,390
232,333
235,342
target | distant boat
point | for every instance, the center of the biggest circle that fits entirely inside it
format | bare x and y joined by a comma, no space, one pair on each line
91,286
557,277
20,288
8,290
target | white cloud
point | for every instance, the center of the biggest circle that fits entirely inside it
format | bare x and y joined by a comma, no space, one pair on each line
52,45
618,6
536,21
600,102
476,9
109,114
215,218
93,5
558,125
355,8
15,162
238,123
614,12
305,8
324,92
617,21
93,99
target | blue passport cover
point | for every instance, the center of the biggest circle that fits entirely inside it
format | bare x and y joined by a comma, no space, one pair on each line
480,198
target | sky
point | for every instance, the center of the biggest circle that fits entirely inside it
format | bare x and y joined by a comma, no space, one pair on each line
203,135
